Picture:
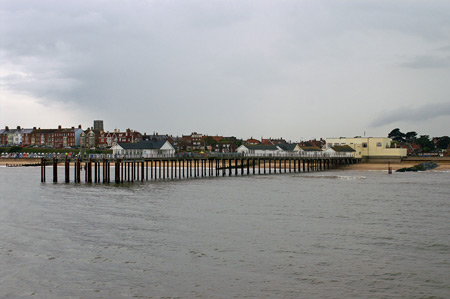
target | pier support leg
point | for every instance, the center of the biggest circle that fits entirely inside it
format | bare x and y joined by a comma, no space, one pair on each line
55,170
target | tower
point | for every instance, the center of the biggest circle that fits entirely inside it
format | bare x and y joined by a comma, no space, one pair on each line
98,125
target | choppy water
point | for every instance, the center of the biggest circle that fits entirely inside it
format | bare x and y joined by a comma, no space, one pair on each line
335,234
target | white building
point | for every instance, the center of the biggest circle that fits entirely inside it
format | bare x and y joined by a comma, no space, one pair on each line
259,150
370,148
143,149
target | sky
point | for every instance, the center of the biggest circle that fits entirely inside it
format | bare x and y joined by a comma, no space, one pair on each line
297,69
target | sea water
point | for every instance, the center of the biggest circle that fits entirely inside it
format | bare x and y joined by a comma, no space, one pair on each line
333,234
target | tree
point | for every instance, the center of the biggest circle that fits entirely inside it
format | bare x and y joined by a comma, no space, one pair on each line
397,135
411,136
443,142
425,143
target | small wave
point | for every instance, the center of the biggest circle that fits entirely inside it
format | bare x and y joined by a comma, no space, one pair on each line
440,171
338,177
439,247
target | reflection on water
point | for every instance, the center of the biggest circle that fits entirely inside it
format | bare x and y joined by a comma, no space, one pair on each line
330,235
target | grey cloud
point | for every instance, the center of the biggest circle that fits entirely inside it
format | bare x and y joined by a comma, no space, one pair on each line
422,62
221,59
444,49
412,115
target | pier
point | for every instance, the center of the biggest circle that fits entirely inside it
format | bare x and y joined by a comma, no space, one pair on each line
121,171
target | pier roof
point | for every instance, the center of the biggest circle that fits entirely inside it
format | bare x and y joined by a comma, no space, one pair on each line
287,146
261,147
311,148
342,148
143,144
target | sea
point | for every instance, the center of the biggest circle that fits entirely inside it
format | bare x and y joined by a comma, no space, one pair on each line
330,234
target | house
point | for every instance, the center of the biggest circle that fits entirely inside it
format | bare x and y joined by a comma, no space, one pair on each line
266,141
4,136
61,137
89,138
226,145
259,150
278,141
143,149
16,137
193,142
313,143
156,137
251,141
370,148
219,144
108,139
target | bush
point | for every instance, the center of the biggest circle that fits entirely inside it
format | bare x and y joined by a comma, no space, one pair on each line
15,149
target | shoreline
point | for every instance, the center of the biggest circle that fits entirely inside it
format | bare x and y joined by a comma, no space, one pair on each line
394,166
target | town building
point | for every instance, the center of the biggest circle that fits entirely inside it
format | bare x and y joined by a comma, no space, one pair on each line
89,138
17,137
156,137
108,139
57,138
370,148
252,141
98,125
192,142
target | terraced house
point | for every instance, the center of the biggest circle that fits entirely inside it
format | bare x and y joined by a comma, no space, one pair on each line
58,138
16,137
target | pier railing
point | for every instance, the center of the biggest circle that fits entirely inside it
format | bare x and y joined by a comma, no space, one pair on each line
232,155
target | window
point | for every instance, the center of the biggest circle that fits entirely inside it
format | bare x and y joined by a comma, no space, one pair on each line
379,144
364,145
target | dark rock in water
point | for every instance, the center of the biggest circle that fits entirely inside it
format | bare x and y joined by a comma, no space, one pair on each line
419,167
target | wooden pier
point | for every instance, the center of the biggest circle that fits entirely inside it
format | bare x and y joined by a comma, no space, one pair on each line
132,170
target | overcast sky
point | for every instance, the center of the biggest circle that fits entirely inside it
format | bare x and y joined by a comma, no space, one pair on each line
293,69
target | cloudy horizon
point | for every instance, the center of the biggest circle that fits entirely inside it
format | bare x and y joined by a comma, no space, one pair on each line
291,69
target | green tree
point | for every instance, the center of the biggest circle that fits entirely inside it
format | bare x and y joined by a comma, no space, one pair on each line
443,142
410,136
425,143
15,149
397,135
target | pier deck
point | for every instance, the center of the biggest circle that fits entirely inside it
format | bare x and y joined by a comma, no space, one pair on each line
161,168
